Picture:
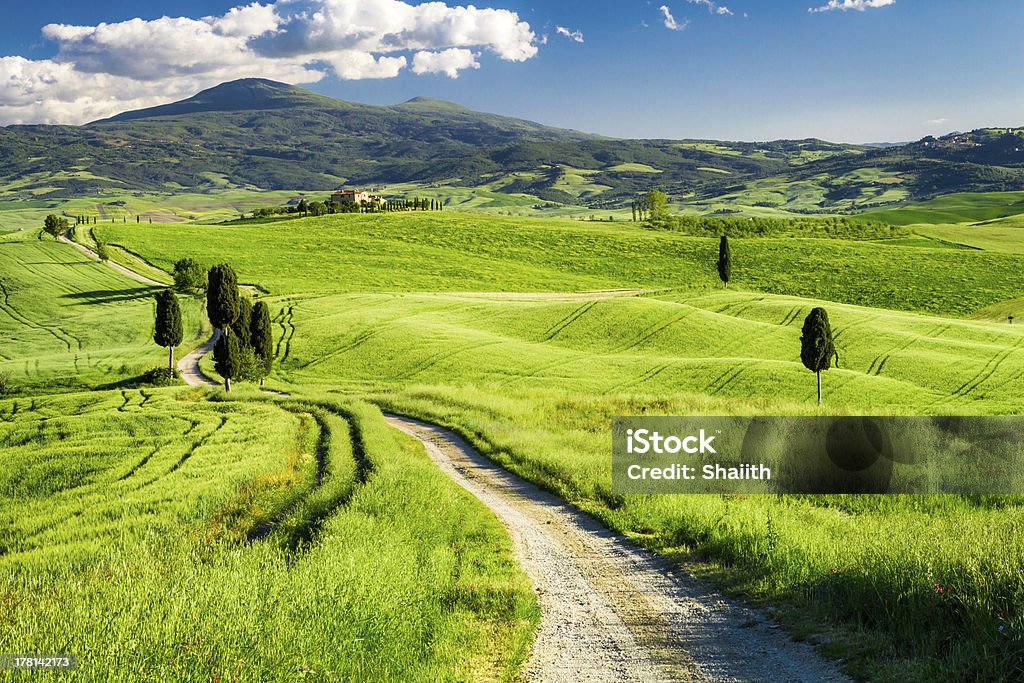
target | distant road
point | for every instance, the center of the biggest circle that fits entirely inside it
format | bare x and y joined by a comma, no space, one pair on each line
189,365
139,277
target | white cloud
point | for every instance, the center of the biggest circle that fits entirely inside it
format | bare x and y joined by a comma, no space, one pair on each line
670,21
713,7
936,122
104,69
845,5
246,22
576,36
448,62
353,65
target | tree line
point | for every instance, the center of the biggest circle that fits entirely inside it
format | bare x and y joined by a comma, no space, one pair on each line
325,208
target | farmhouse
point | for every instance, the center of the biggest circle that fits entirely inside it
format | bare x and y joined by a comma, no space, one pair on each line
356,197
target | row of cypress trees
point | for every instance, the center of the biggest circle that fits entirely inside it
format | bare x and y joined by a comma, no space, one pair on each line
245,350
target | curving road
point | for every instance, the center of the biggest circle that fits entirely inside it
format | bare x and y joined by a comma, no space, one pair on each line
611,611
189,365
138,277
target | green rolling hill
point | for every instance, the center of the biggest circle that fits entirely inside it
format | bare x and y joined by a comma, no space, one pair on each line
258,134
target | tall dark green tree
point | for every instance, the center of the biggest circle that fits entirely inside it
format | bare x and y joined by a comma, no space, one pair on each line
241,328
262,338
724,260
168,332
228,358
222,298
817,350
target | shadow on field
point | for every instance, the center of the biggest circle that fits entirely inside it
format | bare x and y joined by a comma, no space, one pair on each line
110,296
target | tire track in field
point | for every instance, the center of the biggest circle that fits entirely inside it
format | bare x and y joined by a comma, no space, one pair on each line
636,380
858,323
441,356
358,341
883,358
196,445
791,316
736,309
726,378
611,611
538,370
291,333
651,332
141,463
67,339
568,320
988,370
284,321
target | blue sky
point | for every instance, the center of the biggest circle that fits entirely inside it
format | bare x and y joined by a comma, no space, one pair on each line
874,70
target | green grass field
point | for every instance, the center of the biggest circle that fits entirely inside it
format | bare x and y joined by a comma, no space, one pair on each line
124,534
470,253
68,320
479,323
967,207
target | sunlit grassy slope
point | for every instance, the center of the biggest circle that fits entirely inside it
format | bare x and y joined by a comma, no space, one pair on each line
962,207
532,371
67,319
465,252
124,527
732,346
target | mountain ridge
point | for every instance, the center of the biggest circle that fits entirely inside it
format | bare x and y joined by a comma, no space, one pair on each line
256,133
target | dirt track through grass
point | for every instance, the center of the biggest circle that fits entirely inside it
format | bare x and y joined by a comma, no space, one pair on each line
611,611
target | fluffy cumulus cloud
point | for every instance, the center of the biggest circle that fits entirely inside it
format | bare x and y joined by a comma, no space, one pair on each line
100,70
575,36
670,21
448,62
846,5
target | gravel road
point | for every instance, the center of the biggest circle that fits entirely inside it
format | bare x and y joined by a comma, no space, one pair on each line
611,611
189,365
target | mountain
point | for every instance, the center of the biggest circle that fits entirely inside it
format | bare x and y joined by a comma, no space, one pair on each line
262,134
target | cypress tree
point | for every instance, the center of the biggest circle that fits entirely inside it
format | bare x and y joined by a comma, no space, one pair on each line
817,349
222,299
168,332
262,339
724,260
228,356
241,328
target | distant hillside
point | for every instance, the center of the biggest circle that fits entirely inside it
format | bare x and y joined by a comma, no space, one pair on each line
256,133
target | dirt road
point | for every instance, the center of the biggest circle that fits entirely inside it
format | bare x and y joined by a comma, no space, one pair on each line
138,277
611,611
189,365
